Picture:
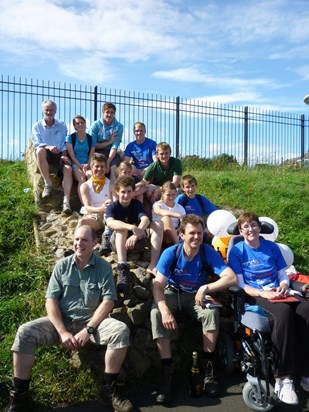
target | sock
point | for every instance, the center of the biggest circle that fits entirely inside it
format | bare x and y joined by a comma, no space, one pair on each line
208,356
110,378
47,183
21,385
166,362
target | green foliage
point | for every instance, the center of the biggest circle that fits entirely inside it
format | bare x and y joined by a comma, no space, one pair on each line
221,162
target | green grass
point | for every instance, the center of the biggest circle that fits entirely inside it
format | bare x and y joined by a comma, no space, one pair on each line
281,194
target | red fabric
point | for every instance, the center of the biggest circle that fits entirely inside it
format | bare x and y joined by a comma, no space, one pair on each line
300,277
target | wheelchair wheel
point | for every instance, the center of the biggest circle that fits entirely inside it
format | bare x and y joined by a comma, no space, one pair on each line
226,353
251,401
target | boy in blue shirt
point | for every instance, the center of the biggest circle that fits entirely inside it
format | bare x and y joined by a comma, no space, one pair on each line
192,202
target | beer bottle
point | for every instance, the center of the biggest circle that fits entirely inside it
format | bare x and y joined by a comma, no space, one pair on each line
195,378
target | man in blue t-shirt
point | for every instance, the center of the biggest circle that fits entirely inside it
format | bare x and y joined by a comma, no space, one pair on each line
180,287
129,222
142,150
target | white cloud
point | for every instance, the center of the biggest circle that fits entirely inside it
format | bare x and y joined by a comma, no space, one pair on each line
193,75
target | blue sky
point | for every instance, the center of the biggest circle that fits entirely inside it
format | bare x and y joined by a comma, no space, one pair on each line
234,52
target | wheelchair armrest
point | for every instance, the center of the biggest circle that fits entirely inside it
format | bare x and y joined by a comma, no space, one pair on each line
238,301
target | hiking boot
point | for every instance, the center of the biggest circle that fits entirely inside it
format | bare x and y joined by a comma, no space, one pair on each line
164,393
46,191
123,277
20,402
211,386
105,247
110,396
66,208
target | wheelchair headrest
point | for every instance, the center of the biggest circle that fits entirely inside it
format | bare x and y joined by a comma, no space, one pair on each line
266,228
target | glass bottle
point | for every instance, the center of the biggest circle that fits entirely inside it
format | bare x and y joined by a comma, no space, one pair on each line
195,389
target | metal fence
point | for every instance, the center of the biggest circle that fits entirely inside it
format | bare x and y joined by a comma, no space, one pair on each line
191,127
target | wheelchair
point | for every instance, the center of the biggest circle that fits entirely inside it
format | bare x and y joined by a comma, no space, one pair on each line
249,346
253,353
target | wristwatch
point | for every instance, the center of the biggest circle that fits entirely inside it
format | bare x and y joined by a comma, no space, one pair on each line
90,330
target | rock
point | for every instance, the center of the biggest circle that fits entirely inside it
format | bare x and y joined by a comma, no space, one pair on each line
139,313
142,293
140,362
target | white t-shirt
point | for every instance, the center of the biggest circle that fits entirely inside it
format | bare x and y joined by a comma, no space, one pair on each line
176,208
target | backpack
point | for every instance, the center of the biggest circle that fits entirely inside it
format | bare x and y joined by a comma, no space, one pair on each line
222,296
89,139
199,199
205,265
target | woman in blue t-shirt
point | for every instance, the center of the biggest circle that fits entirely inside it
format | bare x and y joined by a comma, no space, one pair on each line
80,147
259,266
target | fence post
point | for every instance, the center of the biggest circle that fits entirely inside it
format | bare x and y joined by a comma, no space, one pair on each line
246,136
177,126
302,139
95,103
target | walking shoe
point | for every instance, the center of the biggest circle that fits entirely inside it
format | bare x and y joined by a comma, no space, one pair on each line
211,386
285,391
46,191
304,383
105,247
66,208
123,277
164,393
20,402
110,396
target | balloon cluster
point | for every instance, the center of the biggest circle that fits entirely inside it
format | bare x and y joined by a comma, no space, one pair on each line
218,222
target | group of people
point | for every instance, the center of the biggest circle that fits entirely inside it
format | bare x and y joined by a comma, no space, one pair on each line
81,291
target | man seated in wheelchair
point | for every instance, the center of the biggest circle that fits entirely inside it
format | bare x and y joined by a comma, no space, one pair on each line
259,266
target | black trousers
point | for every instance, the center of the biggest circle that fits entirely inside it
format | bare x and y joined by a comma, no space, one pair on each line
289,323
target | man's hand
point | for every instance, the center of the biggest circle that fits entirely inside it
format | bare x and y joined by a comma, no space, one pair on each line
114,138
168,320
68,340
52,149
139,233
199,297
82,338
131,242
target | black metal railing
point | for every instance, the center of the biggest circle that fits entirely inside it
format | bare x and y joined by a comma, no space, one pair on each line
191,127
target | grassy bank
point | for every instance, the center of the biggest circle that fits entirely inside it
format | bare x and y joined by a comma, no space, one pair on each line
281,194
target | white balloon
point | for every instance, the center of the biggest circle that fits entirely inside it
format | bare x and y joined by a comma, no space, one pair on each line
218,222
272,236
287,254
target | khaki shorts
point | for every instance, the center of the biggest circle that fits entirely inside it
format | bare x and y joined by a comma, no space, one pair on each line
41,332
99,217
183,304
140,244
